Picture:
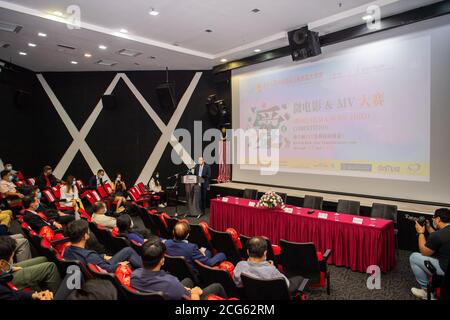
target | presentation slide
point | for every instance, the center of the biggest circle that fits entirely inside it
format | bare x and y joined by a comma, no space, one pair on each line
356,113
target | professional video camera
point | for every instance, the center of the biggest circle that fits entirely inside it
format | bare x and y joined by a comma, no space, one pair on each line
421,220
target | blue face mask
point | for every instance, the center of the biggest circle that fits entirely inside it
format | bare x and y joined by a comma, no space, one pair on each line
39,195
10,178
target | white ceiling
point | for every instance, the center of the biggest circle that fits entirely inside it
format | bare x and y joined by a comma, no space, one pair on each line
176,37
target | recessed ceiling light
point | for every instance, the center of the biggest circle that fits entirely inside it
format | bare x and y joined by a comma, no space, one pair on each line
257,50
102,47
73,62
223,60
256,10
41,34
367,18
208,30
123,30
32,45
153,12
152,57
88,55
22,53
58,13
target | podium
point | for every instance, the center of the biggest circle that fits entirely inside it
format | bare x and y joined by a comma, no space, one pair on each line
193,194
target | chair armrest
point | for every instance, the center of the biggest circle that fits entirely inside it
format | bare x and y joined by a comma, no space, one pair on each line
326,255
60,241
303,285
430,267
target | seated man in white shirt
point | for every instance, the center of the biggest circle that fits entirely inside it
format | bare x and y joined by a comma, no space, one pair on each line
257,266
99,216
7,188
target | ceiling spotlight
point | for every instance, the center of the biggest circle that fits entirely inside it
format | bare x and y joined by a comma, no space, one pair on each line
41,34
153,12
257,50
88,55
73,62
102,47
58,13
123,30
223,60
32,45
208,30
22,53
367,17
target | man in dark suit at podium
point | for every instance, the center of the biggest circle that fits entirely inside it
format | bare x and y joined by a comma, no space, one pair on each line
203,170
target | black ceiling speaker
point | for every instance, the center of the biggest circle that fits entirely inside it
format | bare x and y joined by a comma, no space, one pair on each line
109,102
304,43
22,99
218,111
166,95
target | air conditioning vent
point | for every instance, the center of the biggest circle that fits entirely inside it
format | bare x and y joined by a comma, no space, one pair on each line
108,63
10,27
129,53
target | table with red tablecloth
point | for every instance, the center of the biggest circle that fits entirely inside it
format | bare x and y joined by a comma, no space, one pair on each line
356,242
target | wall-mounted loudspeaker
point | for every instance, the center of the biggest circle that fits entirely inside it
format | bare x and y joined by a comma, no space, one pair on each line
109,102
166,95
304,43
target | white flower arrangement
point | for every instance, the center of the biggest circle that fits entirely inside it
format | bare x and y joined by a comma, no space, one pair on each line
271,200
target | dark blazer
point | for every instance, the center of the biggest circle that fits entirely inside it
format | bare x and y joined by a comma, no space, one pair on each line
189,251
36,222
206,174
92,183
42,183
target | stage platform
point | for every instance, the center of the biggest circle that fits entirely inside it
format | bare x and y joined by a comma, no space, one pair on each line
403,206
407,238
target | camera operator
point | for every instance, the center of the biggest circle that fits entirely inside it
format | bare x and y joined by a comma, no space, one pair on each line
436,250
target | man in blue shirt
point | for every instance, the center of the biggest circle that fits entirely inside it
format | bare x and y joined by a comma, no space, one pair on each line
78,232
151,278
179,246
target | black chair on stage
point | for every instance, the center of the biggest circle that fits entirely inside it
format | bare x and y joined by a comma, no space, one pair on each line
348,206
250,194
313,202
388,212
283,196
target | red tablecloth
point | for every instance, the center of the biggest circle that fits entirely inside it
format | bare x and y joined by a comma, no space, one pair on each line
353,245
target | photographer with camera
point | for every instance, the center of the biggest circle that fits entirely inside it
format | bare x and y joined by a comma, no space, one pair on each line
435,249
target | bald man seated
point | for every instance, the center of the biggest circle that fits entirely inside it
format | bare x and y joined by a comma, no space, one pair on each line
179,246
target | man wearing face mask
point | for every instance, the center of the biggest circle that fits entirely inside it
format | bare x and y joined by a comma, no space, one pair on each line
97,180
46,180
203,170
37,220
9,167
435,249
7,188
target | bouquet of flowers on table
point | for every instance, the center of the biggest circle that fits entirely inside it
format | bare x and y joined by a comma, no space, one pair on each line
271,200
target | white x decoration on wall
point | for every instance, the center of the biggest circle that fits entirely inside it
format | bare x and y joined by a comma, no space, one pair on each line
79,137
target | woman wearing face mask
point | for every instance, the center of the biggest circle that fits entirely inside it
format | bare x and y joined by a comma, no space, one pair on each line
119,186
69,193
